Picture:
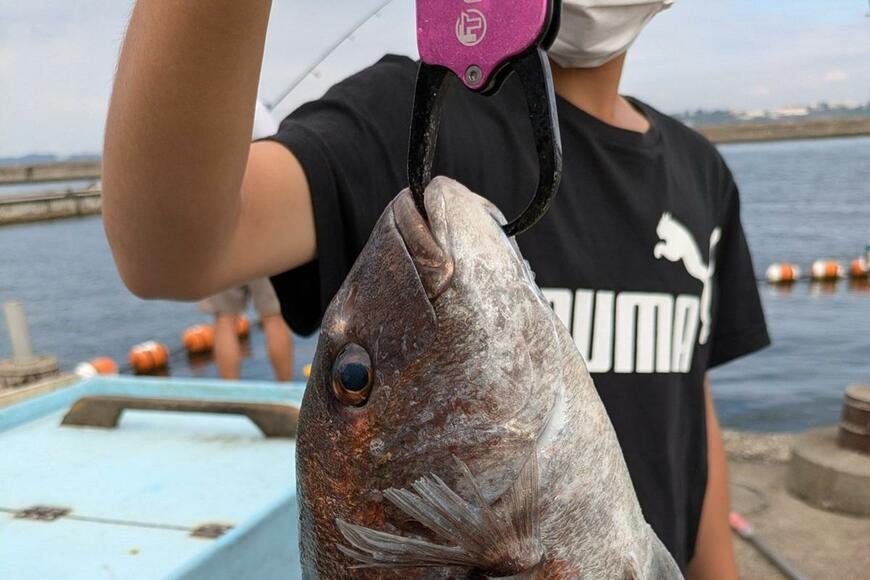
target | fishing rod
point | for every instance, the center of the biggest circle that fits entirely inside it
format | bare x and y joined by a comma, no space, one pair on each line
326,54
745,530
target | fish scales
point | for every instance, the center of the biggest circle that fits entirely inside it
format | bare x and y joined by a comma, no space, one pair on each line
450,427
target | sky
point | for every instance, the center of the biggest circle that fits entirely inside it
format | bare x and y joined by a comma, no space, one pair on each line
57,58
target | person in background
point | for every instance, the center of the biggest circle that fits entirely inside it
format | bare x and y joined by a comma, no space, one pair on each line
642,253
228,305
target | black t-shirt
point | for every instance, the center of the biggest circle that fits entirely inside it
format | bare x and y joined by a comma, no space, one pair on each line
624,252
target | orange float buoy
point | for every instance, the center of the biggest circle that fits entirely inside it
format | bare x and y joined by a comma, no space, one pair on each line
826,270
149,357
102,365
243,326
198,339
784,273
859,269
105,365
306,370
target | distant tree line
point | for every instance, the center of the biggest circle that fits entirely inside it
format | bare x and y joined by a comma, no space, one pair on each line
35,158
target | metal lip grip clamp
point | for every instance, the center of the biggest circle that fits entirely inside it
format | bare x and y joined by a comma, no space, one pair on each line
481,42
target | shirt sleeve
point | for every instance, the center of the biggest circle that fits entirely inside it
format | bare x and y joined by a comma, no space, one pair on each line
740,327
352,144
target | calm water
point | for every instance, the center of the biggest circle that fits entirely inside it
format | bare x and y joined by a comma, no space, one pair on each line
801,201
34,188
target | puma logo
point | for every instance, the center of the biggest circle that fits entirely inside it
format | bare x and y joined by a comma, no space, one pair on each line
677,244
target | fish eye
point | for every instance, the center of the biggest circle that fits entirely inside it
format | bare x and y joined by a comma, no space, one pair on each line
352,375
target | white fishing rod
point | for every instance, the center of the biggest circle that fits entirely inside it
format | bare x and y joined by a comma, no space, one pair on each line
326,54
745,530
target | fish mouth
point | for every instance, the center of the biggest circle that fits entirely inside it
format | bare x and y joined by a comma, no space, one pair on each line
434,264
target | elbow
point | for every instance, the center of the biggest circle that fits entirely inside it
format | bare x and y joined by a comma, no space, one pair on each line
155,289
147,284
161,279
139,286
152,269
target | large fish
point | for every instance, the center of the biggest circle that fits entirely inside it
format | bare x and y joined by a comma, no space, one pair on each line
450,428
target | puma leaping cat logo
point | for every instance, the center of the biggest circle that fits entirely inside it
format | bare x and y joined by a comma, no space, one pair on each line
678,244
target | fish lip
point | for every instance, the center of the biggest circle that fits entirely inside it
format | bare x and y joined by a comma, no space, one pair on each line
434,265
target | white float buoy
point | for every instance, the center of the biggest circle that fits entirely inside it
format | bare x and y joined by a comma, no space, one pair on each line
782,273
826,270
102,365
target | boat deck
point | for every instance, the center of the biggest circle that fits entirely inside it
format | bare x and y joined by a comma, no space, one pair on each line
137,493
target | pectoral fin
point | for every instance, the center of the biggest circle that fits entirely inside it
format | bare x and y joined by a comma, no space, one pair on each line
497,541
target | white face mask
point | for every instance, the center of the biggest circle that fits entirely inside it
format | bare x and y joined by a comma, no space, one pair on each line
594,32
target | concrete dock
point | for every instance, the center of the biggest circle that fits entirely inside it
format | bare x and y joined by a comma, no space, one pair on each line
48,172
821,544
16,209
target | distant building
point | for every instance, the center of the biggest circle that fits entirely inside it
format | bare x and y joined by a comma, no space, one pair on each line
789,112
751,114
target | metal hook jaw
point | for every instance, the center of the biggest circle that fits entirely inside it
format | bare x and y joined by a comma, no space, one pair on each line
532,67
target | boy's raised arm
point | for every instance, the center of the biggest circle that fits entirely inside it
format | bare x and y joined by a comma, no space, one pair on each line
187,210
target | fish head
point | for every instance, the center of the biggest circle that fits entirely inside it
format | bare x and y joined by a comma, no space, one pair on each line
437,347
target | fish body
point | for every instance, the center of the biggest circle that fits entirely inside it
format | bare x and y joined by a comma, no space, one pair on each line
450,428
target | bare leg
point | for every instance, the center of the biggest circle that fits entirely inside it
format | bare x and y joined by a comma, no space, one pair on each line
227,352
279,343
